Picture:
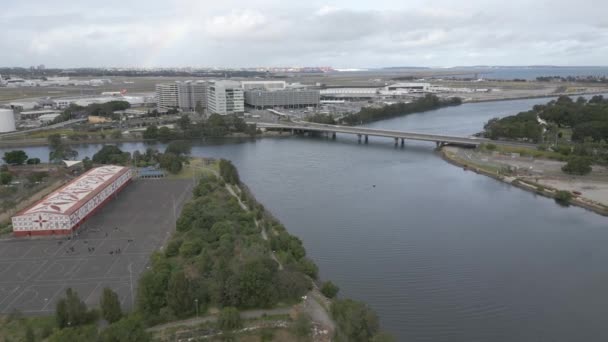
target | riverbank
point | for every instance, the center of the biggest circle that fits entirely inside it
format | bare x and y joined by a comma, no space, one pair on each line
543,178
44,142
540,96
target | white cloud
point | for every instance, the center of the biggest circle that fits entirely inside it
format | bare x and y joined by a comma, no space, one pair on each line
342,33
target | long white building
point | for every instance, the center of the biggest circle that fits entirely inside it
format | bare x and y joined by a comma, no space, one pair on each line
64,210
225,97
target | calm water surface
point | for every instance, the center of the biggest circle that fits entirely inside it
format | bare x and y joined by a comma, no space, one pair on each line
440,253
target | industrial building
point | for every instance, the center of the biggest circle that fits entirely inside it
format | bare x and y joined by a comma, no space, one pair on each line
225,97
182,95
287,98
35,114
64,210
7,120
410,87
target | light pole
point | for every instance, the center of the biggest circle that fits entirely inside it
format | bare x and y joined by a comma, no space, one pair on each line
196,304
131,285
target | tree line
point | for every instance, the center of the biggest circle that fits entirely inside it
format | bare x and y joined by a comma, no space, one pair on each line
216,126
422,104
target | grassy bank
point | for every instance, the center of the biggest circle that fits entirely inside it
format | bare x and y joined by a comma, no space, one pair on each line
524,183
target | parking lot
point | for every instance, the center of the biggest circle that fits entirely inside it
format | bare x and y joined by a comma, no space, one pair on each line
110,250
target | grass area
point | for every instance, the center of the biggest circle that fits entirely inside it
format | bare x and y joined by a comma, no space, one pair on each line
13,327
523,151
197,167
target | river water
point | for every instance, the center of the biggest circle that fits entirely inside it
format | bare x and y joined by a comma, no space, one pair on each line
441,254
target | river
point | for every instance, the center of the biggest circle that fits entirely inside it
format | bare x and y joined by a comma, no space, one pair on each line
441,254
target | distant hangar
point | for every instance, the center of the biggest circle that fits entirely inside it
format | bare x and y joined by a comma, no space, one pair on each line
64,210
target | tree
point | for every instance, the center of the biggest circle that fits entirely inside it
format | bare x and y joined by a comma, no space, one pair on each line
151,132
33,161
199,109
59,150
5,178
578,166
228,172
78,334
355,321
16,157
87,163
71,311
110,306
329,289
54,141
184,122
171,162
229,319
179,148
29,334
111,154
128,329
164,134
179,295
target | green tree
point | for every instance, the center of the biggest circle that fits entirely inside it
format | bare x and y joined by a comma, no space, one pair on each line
171,163
110,306
77,334
383,337
5,178
329,289
184,122
199,109
355,321
229,319
71,311
228,172
179,148
151,132
29,334
16,157
128,329
33,161
578,166
164,134
111,154
87,163
179,295
59,150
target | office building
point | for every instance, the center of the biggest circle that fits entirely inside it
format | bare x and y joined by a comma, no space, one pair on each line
182,95
225,97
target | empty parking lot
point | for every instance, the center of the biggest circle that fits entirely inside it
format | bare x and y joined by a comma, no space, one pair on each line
110,250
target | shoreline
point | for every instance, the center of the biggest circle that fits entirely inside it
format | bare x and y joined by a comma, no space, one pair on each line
529,97
529,186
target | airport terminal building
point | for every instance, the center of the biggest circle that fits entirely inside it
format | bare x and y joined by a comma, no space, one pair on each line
64,210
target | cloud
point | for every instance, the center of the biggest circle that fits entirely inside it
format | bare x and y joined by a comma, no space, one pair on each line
341,33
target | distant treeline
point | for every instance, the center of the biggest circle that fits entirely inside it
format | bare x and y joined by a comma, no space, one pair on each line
422,104
573,127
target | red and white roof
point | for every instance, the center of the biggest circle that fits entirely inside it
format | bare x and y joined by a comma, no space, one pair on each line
71,196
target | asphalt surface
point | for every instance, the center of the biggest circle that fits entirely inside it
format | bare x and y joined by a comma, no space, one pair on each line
110,250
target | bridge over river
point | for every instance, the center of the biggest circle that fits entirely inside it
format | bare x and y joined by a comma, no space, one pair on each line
363,134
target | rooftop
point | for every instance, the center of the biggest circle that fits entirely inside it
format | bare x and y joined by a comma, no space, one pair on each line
68,198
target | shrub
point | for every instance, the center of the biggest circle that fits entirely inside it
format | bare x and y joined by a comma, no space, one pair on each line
329,289
563,196
229,319
577,166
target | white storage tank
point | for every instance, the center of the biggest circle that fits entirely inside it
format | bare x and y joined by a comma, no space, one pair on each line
7,120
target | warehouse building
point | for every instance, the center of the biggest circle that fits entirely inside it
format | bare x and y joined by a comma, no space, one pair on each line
64,210
268,85
289,98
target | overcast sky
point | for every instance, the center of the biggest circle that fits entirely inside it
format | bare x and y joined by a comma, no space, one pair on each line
343,34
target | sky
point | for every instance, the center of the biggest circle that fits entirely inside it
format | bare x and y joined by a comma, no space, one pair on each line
342,34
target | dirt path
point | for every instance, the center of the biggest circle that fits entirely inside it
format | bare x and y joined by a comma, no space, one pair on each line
257,223
192,322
